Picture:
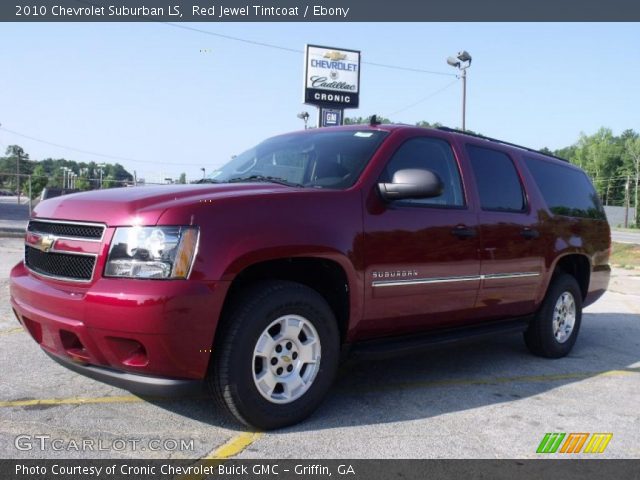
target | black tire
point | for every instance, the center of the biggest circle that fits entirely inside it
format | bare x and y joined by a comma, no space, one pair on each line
231,380
539,337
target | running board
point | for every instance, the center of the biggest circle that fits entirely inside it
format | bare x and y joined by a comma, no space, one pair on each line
407,344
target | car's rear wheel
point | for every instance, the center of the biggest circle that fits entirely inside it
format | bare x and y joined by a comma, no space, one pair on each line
554,330
277,355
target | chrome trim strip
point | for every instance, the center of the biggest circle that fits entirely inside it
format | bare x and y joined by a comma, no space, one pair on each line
69,222
494,276
424,281
68,252
467,278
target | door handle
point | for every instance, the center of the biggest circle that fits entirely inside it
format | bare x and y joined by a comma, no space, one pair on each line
462,232
529,233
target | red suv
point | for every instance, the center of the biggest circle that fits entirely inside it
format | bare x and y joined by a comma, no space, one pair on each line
369,238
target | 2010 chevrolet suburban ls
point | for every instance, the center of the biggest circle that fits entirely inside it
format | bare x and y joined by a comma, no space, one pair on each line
366,237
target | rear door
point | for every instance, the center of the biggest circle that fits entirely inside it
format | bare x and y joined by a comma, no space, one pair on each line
422,265
511,250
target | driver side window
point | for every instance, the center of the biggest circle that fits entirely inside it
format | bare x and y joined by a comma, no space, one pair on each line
432,154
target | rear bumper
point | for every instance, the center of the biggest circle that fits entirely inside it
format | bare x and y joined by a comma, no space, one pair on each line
156,335
138,384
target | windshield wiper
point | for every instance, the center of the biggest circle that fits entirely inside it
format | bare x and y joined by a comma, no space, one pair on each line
265,178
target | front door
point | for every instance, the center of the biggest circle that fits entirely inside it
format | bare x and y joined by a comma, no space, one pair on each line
421,256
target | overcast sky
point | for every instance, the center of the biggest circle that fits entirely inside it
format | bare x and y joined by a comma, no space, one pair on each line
175,100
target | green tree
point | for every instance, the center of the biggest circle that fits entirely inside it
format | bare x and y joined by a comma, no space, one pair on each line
39,180
82,183
183,178
632,150
364,120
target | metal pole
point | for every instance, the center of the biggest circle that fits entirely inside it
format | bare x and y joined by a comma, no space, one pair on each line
30,205
626,203
18,175
637,219
464,99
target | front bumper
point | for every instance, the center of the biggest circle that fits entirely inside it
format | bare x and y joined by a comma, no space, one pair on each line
148,336
139,384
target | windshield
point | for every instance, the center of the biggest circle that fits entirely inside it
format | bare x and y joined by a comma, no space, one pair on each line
318,158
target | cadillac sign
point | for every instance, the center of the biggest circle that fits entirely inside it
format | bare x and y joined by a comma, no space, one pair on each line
331,77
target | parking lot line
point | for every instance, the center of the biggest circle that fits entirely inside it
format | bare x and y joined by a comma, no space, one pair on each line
72,401
239,442
493,381
230,448
234,446
11,331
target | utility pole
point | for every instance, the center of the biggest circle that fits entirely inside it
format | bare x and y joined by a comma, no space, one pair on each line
626,203
18,173
30,204
637,217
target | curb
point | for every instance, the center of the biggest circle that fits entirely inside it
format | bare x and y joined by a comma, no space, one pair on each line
12,232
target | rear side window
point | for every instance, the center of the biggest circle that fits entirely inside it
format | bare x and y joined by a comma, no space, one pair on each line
432,154
565,190
498,182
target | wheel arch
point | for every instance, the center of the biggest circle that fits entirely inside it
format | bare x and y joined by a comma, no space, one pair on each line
329,273
576,264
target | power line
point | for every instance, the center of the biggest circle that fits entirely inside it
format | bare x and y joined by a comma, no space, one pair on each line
295,50
97,154
431,95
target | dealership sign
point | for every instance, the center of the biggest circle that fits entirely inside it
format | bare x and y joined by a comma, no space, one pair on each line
331,77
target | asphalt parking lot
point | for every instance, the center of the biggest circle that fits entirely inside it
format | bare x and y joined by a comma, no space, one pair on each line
484,400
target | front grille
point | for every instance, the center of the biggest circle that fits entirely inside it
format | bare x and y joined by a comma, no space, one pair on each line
67,229
63,265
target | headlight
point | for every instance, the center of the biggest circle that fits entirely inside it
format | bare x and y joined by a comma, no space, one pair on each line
152,252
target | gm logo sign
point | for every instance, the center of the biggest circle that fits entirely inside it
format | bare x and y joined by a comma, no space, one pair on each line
330,117
574,443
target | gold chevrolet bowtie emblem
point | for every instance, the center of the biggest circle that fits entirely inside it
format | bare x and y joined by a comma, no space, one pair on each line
335,56
286,359
45,243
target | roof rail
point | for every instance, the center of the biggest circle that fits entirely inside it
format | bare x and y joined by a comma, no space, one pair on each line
483,137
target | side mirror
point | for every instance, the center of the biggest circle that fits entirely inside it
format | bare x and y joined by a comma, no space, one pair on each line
411,183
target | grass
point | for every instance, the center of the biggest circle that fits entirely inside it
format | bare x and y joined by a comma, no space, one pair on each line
625,255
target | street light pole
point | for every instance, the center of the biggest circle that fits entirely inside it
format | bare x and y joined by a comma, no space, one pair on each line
304,116
462,61
464,99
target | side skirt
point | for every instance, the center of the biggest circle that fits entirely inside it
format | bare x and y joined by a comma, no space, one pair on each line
407,344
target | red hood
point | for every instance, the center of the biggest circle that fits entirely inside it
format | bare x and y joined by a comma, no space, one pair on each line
141,205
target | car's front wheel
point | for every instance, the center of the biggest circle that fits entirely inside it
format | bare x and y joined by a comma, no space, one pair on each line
277,355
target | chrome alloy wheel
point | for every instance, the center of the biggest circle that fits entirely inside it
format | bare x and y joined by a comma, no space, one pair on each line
286,359
564,317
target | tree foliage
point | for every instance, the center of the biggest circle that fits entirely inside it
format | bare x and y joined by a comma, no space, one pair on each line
49,172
